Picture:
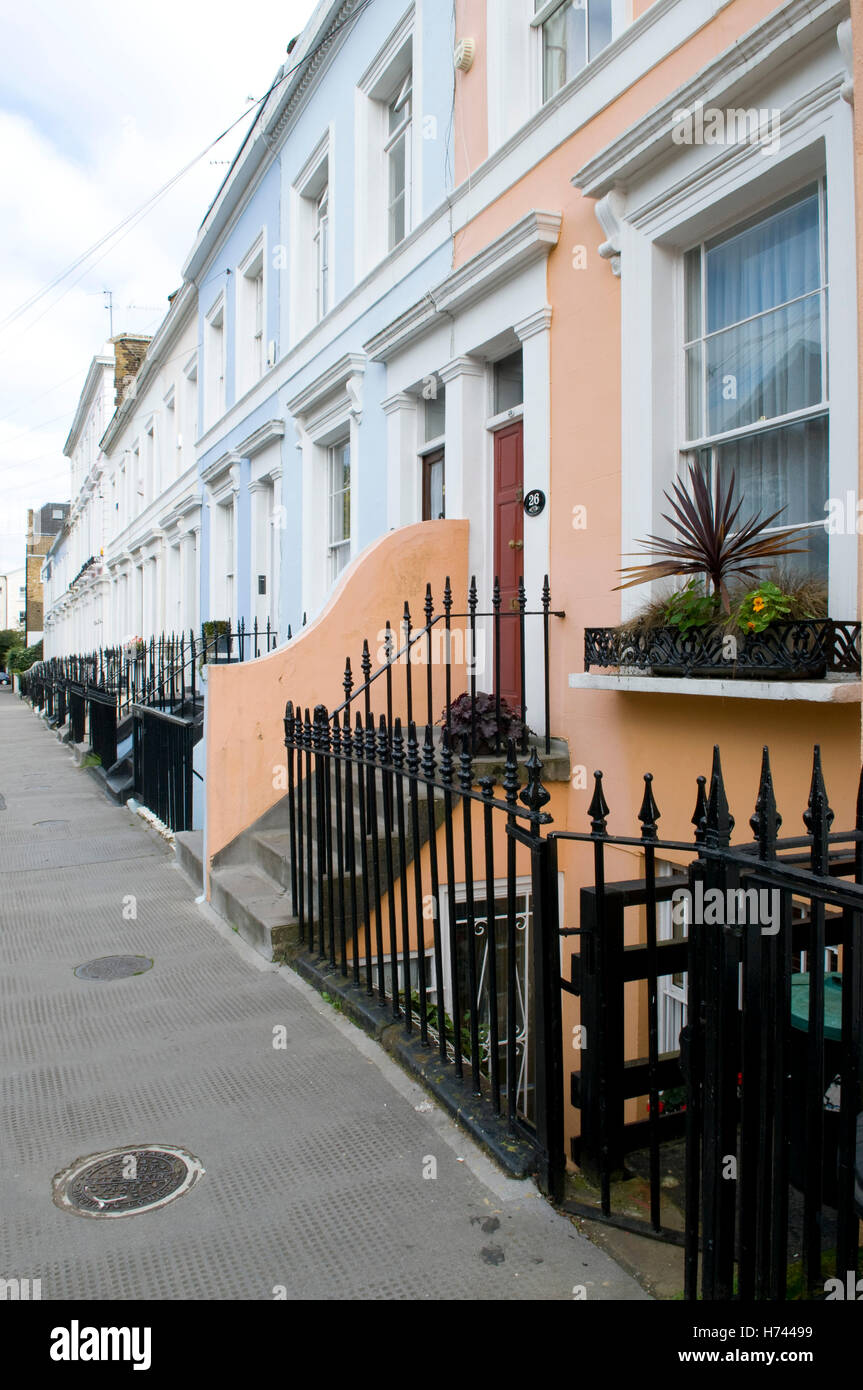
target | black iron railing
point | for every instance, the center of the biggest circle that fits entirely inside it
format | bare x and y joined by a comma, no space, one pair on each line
381,810
450,640
99,691
162,760
102,712
768,1105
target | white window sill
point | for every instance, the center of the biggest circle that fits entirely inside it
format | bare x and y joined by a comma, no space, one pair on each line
838,690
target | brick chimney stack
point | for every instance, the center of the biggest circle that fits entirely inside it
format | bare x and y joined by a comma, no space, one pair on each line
129,353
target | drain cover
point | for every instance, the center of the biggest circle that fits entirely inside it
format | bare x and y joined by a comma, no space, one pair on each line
113,967
125,1182
50,824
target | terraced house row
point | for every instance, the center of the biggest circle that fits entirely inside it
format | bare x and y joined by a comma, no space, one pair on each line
481,284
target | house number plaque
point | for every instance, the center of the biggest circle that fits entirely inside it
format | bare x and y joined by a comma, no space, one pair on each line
534,502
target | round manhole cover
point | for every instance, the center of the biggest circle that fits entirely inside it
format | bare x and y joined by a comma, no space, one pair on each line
113,967
125,1182
50,824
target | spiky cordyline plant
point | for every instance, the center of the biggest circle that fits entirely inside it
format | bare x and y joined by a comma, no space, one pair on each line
707,541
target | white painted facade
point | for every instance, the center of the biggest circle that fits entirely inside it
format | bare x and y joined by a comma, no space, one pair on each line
13,598
73,568
128,564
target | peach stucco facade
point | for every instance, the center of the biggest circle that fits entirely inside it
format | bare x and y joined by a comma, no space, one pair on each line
628,734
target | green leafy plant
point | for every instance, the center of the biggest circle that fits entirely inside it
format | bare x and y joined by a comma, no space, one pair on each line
213,631
762,606
691,607
488,727
21,659
433,1021
711,539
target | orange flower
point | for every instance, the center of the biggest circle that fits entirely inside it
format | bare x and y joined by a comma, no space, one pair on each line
758,604
751,626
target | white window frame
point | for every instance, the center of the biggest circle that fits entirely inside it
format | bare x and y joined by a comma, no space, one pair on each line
691,447
228,541
314,180
215,365
393,72
322,253
401,106
620,15
251,312
337,561
190,400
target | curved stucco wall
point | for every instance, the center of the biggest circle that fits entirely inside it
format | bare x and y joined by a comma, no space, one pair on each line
246,703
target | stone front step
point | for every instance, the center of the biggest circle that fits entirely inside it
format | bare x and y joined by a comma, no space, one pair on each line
256,908
189,852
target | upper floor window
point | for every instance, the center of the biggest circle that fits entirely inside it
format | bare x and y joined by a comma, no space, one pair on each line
756,364
311,250
322,247
215,362
251,359
339,508
386,138
398,152
573,33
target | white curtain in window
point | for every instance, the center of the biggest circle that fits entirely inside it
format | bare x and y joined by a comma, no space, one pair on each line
784,468
770,365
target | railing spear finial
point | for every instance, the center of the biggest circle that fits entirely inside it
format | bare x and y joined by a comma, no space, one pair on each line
699,816
719,821
649,813
535,795
598,810
818,817
765,819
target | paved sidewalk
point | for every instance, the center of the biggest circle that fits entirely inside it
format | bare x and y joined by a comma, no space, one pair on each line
313,1155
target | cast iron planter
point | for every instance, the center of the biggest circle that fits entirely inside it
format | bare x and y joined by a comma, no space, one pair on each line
805,649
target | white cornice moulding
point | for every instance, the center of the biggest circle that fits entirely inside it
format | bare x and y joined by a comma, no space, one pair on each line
220,467
788,30
260,438
527,241
403,31
796,114
93,378
334,379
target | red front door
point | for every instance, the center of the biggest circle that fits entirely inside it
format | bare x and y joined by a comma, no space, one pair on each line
509,550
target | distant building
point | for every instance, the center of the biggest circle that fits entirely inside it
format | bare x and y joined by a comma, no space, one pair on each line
12,598
43,525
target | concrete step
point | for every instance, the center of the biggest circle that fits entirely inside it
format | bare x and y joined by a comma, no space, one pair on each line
255,907
189,853
271,851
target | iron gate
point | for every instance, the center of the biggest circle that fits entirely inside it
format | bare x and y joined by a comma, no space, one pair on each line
767,1106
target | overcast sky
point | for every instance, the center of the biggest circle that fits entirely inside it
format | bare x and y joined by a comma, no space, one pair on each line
101,104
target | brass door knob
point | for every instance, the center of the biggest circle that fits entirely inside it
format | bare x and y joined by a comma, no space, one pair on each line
516,545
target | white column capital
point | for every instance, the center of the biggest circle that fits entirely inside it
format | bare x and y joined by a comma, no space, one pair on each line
462,366
402,400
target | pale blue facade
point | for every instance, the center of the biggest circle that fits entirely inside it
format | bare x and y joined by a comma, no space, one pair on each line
262,450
